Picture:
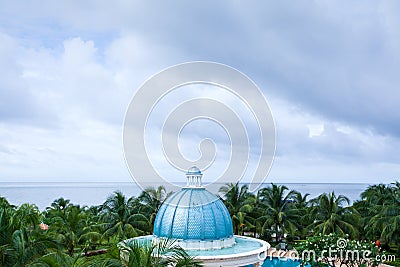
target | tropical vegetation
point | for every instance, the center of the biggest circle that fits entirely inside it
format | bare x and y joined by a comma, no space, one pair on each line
67,234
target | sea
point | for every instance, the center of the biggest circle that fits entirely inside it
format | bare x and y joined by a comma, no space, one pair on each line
90,194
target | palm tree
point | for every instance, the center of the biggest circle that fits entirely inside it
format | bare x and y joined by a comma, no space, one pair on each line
60,259
373,202
280,212
60,204
73,228
332,214
4,203
27,245
120,218
151,200
304,219
384,216
21,240
377,194
396,187
27,216
240,203
387,222
7,228
257,212
146,254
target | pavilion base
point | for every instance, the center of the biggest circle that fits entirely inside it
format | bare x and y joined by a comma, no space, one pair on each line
203,244
235,255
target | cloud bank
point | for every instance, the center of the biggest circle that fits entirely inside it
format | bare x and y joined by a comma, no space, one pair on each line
328,69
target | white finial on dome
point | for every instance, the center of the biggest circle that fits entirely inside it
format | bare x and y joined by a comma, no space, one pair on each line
193,177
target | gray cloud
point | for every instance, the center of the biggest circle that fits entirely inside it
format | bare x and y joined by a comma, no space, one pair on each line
318,62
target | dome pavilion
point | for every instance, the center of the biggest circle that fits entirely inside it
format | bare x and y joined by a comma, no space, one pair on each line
200,223
194,217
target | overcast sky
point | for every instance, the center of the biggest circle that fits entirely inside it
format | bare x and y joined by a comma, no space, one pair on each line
330,71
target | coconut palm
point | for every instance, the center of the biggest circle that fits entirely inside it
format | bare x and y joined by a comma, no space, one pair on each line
27,245
377,194
120,218
60,204
7,228
302,206
280,210
384,216
239,202
387,222
374,200
27,216
73,228
146,254
21,240
257,212
4,203
332,214
151,200
396,187
60,259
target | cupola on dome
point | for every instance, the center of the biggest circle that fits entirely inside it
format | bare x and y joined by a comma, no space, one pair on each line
194,170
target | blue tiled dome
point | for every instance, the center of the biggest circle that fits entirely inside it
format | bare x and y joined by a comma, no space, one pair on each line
193,214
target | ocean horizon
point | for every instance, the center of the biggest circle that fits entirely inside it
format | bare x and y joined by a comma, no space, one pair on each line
95,193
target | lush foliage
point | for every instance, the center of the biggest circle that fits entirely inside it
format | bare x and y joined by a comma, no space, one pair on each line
276,213
66,234
380,210
332,214
145,254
